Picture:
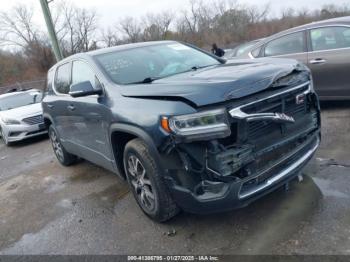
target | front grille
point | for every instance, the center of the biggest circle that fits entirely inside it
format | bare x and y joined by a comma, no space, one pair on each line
283,104
33,120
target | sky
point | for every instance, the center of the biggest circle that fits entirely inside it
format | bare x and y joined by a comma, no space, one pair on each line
110,10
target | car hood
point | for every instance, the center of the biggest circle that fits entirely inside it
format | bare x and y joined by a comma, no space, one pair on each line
21,112
232,80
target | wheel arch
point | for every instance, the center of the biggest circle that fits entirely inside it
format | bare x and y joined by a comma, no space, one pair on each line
47,120
120,135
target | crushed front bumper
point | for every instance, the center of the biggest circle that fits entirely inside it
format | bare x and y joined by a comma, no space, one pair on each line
221,196
257,157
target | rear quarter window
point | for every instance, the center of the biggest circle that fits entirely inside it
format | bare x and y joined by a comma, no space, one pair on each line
49,80
62,79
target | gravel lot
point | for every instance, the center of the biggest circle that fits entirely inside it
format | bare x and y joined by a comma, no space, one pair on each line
49,209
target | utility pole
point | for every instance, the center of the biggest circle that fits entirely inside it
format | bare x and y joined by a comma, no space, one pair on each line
51,29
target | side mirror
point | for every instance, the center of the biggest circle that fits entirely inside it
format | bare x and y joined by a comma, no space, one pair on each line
83,89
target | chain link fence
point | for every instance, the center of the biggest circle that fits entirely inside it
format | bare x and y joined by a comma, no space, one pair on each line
35,84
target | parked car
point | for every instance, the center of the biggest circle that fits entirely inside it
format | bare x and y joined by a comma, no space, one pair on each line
21,115
323,46
187,129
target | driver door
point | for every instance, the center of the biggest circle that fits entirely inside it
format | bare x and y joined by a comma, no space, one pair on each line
90,128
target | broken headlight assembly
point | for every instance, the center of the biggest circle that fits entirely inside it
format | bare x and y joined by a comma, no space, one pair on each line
198,126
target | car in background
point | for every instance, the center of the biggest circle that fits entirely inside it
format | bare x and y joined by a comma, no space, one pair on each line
323,46
21,115
240,49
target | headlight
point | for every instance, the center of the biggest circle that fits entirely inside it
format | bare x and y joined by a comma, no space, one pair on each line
200,125
9,121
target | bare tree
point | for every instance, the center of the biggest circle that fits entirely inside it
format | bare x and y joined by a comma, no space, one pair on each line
131,28
157,25
109,37
76,27
17,27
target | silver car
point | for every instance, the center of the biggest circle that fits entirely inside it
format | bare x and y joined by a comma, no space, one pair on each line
21,115
323,46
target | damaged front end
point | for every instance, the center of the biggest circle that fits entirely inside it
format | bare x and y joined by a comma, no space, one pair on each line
226,158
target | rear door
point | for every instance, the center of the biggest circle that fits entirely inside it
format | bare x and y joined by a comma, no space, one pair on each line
329,60
292,45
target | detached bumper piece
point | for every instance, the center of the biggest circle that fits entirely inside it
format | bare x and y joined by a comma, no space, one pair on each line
258,157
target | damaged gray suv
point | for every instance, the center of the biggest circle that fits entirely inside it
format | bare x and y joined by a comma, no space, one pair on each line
189,131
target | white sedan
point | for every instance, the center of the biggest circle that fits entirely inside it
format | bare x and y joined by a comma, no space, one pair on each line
21,115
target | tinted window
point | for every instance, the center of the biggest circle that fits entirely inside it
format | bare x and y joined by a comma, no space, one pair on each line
20,99
62,80
330,38
155,61
82,72
289,44
49,79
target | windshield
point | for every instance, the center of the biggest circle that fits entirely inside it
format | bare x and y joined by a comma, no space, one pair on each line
241,49
20,99
152,62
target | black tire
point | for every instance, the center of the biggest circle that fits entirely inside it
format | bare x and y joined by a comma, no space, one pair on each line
150,183
62,155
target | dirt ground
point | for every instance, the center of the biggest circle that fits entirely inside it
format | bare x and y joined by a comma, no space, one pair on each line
46,208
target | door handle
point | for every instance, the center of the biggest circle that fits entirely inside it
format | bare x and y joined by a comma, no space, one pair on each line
318,61
50,106
71,107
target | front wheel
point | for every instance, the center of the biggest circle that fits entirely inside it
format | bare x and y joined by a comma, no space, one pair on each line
62,155
146,182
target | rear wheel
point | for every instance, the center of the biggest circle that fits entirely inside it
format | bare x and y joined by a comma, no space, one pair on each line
62,155
146,182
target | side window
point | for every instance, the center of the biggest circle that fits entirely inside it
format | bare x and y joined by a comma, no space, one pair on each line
82,72
289,44
49,79
327,38
62,79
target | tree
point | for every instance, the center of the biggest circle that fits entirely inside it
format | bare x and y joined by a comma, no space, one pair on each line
157,25
131,28
17,27
75,27
109,37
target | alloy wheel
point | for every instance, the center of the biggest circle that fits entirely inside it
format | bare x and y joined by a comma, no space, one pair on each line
57,147
141,183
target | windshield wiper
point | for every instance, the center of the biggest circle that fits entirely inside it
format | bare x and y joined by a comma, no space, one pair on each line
195,68
147,80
